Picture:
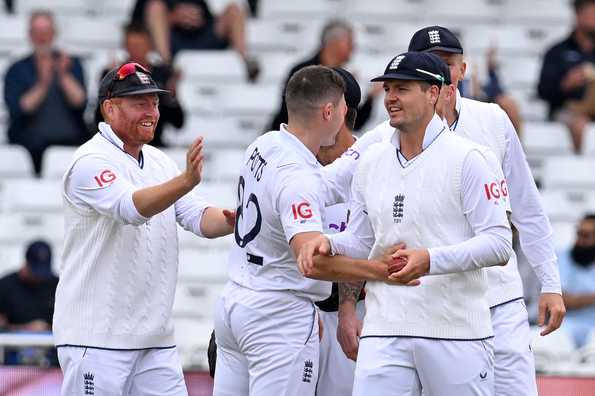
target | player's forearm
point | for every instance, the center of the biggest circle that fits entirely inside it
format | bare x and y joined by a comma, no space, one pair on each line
578,301
528,214
347,269
153,200
484,250
350,291
213,223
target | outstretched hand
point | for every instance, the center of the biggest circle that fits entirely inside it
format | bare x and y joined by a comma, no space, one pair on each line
194,162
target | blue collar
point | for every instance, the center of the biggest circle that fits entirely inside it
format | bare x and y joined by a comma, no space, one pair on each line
433,130
106,131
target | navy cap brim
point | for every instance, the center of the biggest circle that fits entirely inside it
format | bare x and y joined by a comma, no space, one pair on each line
136,92
140,92
397,76
445,49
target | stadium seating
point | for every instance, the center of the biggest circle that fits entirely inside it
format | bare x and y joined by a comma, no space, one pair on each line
32,196
213,66
11,257
575,173
17,228
15,162
224,166
203,265
564,234
559,206
551,350
56,160
546,139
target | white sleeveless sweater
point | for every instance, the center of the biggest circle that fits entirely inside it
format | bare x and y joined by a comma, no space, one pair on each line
421,205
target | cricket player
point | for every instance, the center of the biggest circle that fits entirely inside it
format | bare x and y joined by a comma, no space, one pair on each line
336,369
488,124
425,188
266,322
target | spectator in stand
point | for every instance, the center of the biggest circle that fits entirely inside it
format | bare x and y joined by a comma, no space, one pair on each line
45,94
336,47
567,80
137,42
190,25
577,272
27,302
492,90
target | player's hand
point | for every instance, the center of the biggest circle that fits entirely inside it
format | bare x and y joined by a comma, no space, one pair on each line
393,264
417,265
551,305
349,330
319,245
230,217
194,162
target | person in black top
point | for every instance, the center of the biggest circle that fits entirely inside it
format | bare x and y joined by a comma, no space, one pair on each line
190,25
27,302
336,48
138,45
567,79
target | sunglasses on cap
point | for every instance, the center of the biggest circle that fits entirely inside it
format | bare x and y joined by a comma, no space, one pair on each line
125,71
128,69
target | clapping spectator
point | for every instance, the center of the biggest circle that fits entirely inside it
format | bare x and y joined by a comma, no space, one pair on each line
45,94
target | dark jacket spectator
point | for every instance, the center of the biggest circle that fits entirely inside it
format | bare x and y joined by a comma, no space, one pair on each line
335,50
177,25
567,80
45,94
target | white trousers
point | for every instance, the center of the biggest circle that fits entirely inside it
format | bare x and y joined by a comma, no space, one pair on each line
335,377
514,361
104,372
267,344
402,366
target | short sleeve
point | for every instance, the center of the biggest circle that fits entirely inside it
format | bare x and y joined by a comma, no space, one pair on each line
300,201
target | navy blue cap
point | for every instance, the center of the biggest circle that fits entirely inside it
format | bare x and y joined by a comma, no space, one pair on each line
441,64
39,259
435,38
353,92
126,80
417,66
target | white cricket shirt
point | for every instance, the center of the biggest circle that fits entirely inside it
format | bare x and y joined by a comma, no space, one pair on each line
281,193
119,269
